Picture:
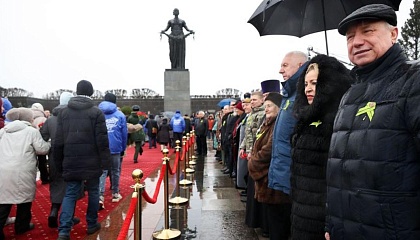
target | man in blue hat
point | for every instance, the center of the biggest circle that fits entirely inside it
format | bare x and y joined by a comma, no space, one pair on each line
373,170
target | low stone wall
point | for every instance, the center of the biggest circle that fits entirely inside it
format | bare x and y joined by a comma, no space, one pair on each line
151,105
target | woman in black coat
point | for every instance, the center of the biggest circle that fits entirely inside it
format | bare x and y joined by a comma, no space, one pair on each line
319,92
163,136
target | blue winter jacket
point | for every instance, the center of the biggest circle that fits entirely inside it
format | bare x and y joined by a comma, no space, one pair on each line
116,125
177,123
279,171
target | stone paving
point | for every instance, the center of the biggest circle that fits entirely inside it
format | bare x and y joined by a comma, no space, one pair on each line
214,211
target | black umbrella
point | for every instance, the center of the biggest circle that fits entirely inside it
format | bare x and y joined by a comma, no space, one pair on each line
302,17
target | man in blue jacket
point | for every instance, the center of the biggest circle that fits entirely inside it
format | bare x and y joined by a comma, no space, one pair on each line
117,136
177,124
279,172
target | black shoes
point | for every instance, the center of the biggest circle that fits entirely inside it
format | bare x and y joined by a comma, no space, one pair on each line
265,234
30,227
243,193
53,217
52,221
135,161
76,220
94,229
63,238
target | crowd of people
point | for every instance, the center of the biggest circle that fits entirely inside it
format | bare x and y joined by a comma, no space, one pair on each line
332,153
75,147
327,153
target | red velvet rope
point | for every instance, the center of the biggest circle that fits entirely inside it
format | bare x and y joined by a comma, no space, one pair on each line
126,225
157,189
173,171
184,151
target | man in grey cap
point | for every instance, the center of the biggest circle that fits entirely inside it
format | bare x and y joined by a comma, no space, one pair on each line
373,172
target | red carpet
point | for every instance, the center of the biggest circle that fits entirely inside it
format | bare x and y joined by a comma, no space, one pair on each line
148,162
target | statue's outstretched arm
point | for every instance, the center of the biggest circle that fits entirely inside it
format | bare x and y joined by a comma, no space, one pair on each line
188,34
186,28
167,27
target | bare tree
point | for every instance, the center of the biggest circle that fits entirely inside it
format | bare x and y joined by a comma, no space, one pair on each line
97,95
56,94
16,92
229,92
3,92
143,93
119,93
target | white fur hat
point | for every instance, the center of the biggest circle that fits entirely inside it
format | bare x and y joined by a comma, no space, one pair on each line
65,97
37,106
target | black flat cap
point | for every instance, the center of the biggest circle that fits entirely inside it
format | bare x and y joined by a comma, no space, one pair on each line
368,12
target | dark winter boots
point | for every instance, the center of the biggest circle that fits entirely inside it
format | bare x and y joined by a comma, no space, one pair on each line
53,217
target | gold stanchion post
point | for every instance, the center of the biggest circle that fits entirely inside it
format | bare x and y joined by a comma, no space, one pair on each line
178,200
167,233
185,182
137,175
189,170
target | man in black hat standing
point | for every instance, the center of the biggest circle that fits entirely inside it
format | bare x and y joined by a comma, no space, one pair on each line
373,171
81,152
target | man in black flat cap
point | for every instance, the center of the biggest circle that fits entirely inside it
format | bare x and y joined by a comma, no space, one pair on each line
81,152
373,171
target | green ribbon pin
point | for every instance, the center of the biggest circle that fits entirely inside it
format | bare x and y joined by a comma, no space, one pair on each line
369,109
316,124
259,135
286,105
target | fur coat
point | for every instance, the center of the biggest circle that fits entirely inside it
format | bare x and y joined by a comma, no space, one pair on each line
310,146
260,163
19,144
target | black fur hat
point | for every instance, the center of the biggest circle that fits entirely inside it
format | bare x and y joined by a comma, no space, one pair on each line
275,98
332,82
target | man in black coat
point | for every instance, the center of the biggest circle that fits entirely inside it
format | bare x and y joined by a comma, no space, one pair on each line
227,140
81,152
201,128
373,170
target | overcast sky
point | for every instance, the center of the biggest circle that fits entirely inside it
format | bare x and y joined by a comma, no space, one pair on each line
46,45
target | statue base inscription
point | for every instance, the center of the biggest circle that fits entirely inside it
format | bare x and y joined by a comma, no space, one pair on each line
177,91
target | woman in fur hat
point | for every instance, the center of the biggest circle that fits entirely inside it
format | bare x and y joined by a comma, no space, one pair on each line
19,144
319,92
259,162
38,122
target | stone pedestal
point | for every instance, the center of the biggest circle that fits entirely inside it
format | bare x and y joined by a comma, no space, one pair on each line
177,91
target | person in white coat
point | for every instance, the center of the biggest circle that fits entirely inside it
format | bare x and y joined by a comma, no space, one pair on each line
19,145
